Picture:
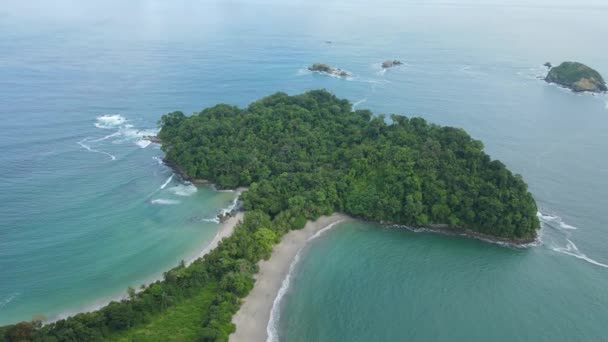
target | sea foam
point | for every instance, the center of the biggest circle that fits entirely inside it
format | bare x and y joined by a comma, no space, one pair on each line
554,221
184,190
8,299
572,250
110,121
143,143
83,144
164,201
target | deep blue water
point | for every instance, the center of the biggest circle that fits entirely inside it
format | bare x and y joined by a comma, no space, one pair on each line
77,227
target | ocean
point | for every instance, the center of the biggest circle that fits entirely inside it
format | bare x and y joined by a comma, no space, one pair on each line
87,209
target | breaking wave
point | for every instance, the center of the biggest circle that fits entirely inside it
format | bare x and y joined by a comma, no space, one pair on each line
184,190
109,121
554,221
124,132
159,160
143,143
232,206
167,181
164,201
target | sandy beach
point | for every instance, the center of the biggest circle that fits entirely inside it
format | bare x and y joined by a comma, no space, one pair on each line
226,229
252,319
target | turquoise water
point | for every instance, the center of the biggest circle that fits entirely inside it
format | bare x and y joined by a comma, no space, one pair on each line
78,227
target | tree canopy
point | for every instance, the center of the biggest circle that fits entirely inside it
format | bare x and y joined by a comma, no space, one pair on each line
311,154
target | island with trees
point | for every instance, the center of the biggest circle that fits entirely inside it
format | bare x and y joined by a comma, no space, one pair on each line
329,70
576,76
302,157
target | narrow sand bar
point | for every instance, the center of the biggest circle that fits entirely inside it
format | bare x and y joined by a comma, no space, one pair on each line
252,318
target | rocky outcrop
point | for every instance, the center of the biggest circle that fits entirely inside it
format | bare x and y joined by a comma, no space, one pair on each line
326,69
577,77
152,138
226,214
390,63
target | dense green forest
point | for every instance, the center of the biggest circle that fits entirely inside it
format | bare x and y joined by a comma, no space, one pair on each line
301,157
577,77
311,154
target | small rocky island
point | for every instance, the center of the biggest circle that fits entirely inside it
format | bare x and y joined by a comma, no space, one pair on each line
390,63
577,77
326,69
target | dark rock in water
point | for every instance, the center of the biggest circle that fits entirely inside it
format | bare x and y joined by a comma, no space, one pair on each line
326,69
224,216
548,65
577,77
390,63
153,139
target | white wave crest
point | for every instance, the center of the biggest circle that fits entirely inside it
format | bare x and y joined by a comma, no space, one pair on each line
83,144
303,71
211,220
106,137
110,121
131,133
358,103
163,201
8,299
143,143
167,181
184,190
232,206
125,131
275,312
159,160
553,220
572,250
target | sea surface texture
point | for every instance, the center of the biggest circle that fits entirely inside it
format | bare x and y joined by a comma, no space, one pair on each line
87,209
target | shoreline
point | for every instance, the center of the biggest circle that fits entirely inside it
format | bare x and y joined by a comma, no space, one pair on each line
173,166
445,230
253,320
257,316
226,229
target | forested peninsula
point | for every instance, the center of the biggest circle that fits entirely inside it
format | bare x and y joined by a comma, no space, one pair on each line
302,157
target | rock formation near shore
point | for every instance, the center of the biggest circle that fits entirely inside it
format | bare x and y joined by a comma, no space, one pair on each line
390,63
577,77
